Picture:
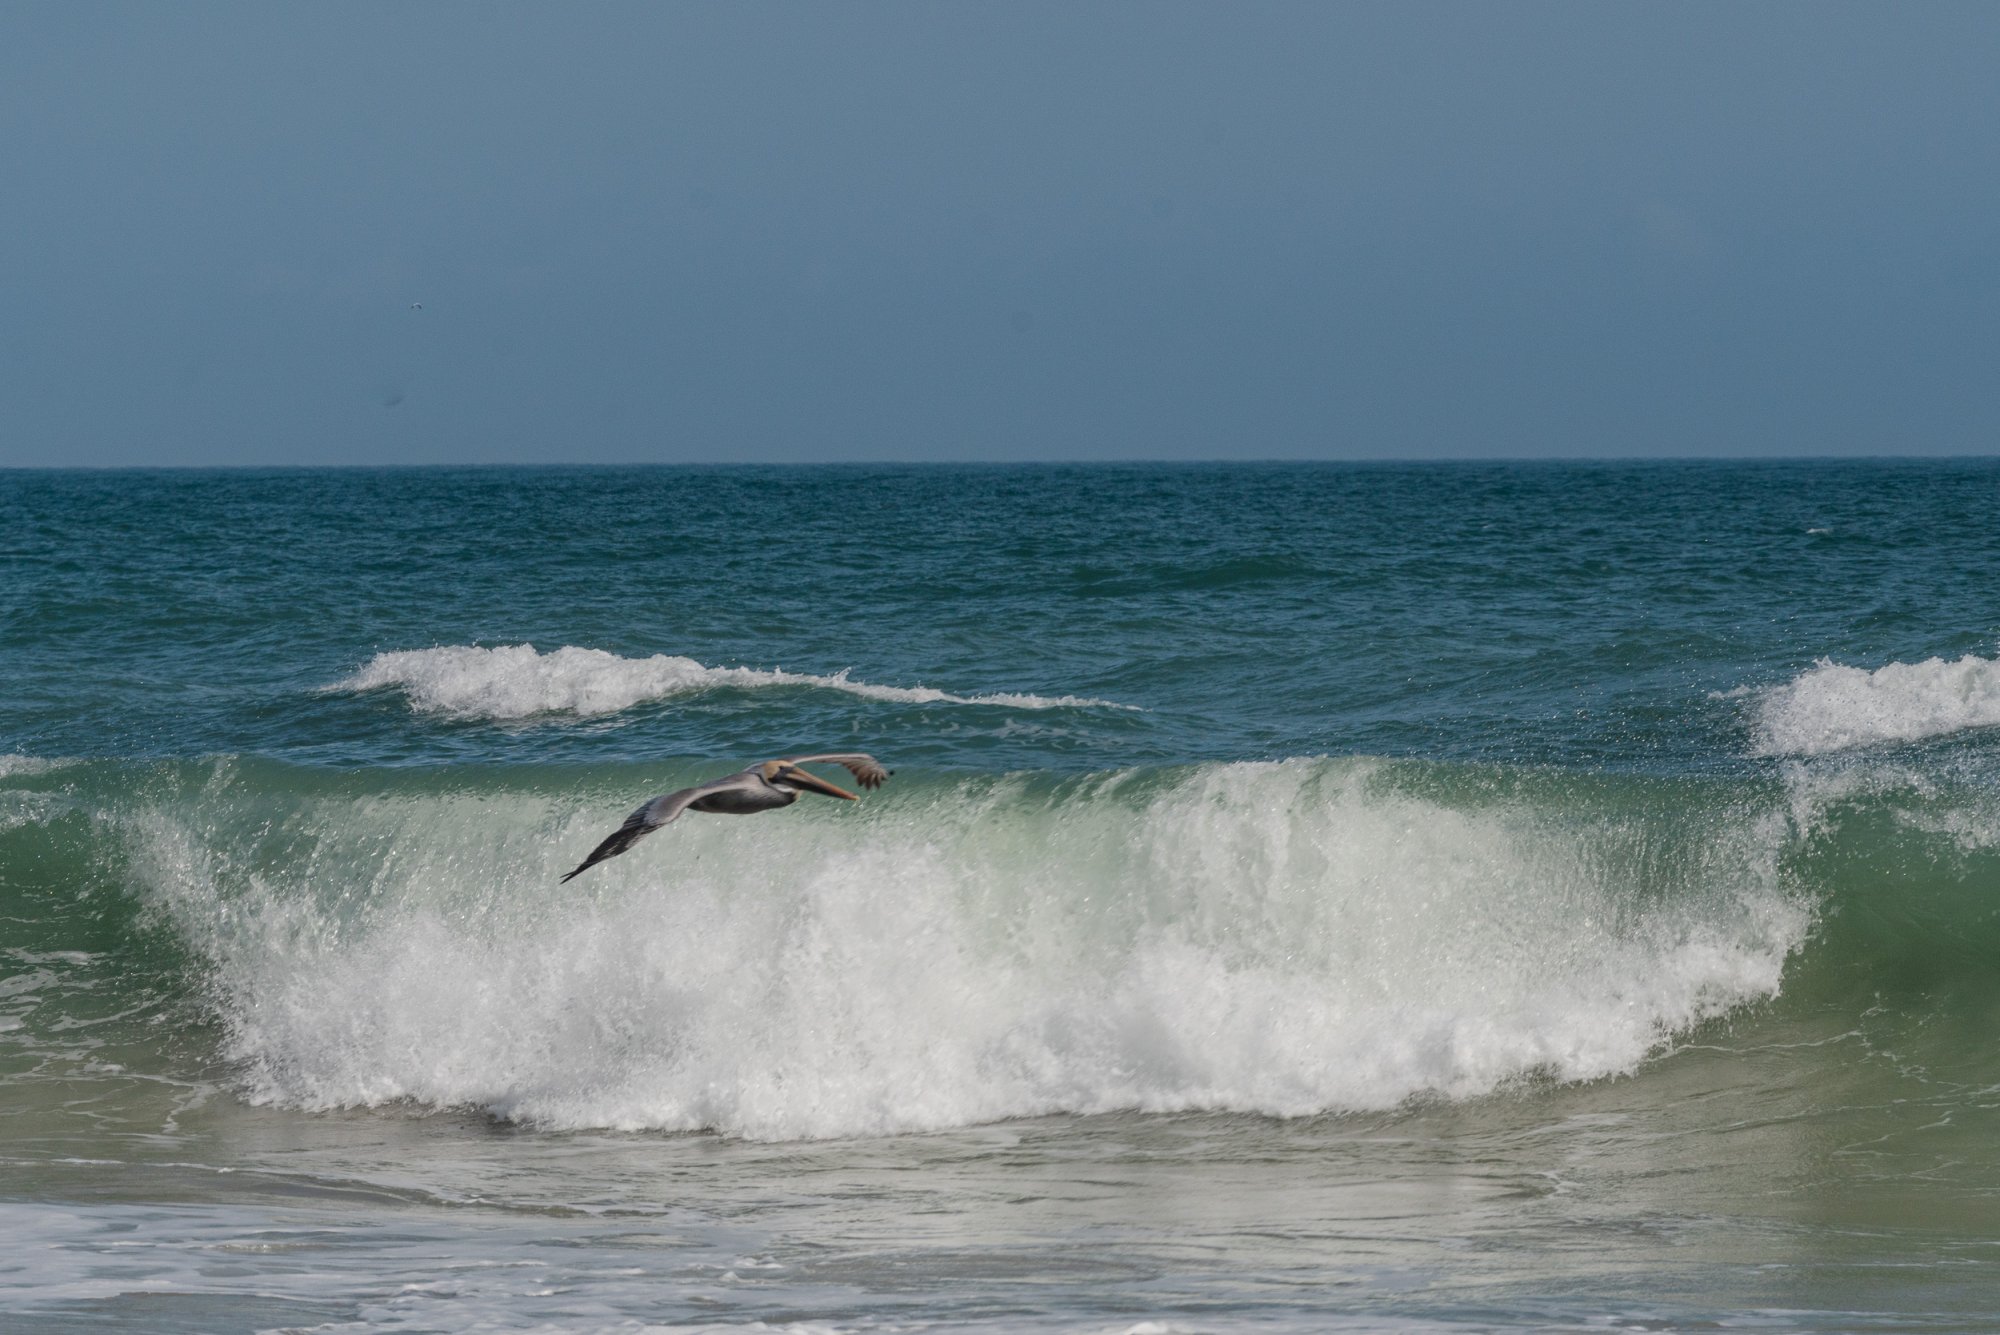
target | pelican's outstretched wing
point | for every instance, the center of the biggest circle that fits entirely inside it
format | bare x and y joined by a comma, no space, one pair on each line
662,810
867,770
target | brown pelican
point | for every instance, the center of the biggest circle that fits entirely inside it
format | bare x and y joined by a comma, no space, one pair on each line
765,787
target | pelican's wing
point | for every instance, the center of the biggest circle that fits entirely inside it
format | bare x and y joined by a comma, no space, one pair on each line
662,810
867,770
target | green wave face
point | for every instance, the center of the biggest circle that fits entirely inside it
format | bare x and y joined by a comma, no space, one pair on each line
1288,938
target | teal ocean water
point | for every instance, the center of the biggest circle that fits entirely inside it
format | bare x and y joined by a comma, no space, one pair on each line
1453,897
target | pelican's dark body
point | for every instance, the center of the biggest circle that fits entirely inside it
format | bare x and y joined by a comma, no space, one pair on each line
746,801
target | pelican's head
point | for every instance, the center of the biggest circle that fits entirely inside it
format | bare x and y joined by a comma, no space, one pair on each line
778,773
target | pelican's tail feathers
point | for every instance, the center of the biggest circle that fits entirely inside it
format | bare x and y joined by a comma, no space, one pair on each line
617,842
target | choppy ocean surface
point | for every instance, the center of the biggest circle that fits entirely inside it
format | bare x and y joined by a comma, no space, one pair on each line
1442,898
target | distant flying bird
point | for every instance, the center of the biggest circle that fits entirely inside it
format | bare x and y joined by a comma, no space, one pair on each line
765,787
416,305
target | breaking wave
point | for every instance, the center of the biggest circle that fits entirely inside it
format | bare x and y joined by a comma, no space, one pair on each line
515,681
1832,707
1286,938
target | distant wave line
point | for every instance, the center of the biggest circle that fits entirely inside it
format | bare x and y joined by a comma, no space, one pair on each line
516,681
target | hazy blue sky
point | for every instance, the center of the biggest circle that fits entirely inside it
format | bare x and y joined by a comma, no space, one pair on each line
1004,231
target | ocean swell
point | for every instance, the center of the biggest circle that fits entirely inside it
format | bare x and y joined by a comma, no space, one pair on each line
515,681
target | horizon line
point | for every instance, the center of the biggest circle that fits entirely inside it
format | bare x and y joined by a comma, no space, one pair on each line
711,465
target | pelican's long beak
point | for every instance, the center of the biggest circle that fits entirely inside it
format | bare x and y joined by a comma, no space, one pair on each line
798,778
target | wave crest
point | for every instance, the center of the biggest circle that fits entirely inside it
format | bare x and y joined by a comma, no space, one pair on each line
1832,707
515,681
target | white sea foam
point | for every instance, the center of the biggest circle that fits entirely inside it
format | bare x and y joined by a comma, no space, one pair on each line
1831,707
1284,938
515,681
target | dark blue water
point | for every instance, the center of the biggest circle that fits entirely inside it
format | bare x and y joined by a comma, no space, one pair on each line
1527,613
